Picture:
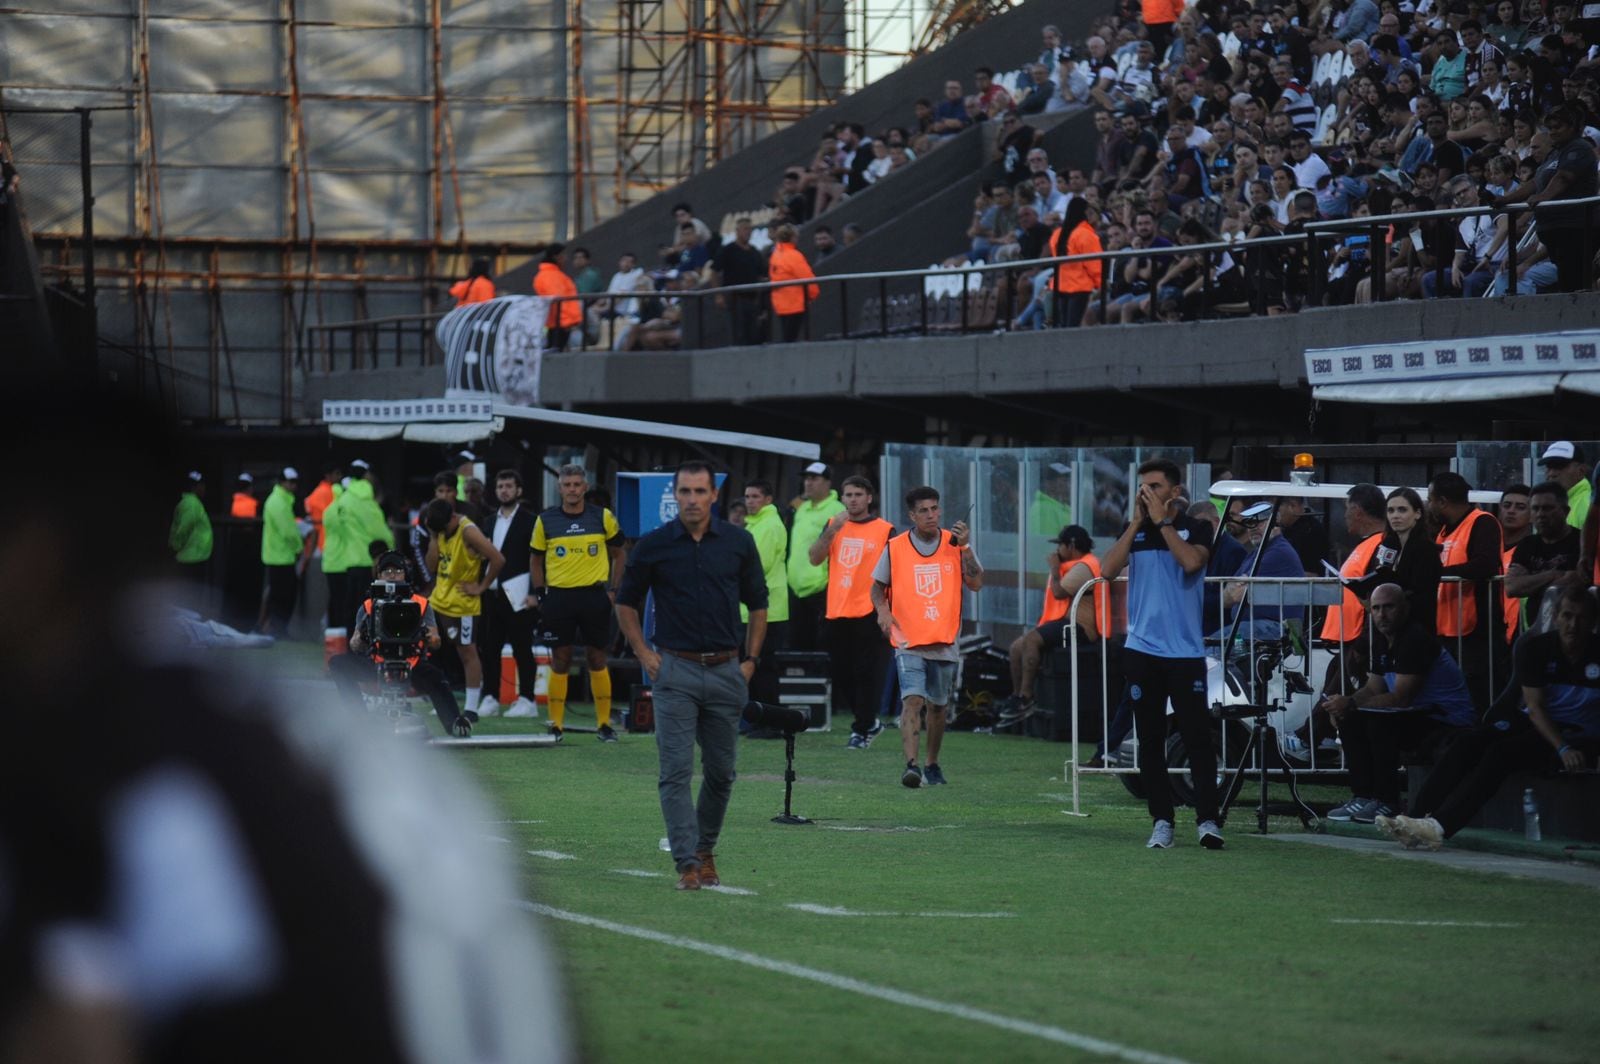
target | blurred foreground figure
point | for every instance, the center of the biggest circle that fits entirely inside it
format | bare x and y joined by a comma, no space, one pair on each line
193,868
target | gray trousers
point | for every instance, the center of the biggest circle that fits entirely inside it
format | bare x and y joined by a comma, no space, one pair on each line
696,703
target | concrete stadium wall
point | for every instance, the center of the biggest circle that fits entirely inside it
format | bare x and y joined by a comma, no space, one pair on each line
1252,352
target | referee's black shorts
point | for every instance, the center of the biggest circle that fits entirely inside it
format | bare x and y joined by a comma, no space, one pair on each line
575,616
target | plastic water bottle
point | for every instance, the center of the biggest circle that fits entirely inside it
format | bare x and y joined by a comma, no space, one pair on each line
1530,816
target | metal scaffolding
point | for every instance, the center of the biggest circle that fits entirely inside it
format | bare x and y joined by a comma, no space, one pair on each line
264,166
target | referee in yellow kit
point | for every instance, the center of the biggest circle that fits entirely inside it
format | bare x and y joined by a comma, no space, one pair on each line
575,566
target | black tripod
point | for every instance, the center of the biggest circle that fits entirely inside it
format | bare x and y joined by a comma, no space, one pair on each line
787,816
1263,741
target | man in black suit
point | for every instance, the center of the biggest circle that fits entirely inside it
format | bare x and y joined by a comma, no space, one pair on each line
510,529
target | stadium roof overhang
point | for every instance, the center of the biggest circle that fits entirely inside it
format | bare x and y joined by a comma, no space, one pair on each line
1413,372
461,420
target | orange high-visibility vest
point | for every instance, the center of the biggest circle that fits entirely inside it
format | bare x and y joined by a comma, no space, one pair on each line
1350,619
924,592
1056,608
1160,12
476,290
1458,602
555,285
245,505
317,503
1077,276
1513,604
852,556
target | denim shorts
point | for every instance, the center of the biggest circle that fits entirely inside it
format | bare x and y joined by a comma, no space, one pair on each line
933,681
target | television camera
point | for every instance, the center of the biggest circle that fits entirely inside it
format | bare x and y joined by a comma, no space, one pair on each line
394,630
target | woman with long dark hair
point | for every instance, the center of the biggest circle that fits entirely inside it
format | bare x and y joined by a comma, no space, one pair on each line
1076,281
1407,556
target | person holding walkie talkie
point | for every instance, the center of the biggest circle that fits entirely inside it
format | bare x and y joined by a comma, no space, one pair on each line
916,589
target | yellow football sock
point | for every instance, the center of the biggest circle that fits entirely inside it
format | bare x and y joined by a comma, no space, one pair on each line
600,684
558,697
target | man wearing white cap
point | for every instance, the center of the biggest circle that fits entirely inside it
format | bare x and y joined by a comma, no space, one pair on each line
1563,463
244,498
353,522
280,550
808,584
190,535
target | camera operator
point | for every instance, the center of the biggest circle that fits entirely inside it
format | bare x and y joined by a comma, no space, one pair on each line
366,661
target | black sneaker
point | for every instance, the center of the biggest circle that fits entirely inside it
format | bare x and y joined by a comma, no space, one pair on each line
912,777
606,735
462,728
933,775
556,731
1014,708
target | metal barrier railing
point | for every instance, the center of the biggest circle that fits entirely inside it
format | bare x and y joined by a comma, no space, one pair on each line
916,313
1304,667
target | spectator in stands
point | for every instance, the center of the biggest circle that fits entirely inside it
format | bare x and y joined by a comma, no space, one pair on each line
822,244
1472,268
1481,53
950,117
1185,176
1039,91
1360,20
855,156
1144,147
1410,672
789,303
690,253
1076,281
1564,464
584,274
1559,675
822,189
1448,77
1136,79
1015,144
682,213
1048,198
992,96
1072,84
1547,560
792,200
1308,166
552,282
1568,172
739,263
1111,151
1507,28
1102,73
621,304
851,233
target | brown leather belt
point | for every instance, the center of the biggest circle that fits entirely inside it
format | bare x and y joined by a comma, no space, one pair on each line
710,657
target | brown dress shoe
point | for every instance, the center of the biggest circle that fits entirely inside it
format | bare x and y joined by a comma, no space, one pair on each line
689,879
708,871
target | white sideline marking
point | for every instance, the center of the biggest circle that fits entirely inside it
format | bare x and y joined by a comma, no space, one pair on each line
552,855
856,986
493,838
641,873
881,830
1425,923
1057,797
720,889
511,822
835,910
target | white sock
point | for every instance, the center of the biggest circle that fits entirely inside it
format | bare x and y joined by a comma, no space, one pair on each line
473,694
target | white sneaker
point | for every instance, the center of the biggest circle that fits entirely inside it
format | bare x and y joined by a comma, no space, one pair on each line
1160,836
488,707
522,707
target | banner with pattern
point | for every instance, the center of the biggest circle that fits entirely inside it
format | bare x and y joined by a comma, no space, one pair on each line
495,348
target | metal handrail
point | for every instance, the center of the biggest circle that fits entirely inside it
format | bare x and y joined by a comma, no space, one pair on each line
1314,235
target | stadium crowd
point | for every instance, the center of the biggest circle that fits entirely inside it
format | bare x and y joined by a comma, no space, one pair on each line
1218,123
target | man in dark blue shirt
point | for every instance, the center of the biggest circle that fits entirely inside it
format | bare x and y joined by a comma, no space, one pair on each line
700,569
1413,689
1165,552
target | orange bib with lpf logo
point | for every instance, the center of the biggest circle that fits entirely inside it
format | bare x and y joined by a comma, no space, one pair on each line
925,591
852,556
1458,602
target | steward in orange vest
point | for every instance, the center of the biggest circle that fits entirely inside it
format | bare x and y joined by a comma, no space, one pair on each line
789,302
566,310
245,504
916,588
1470,622
851,543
